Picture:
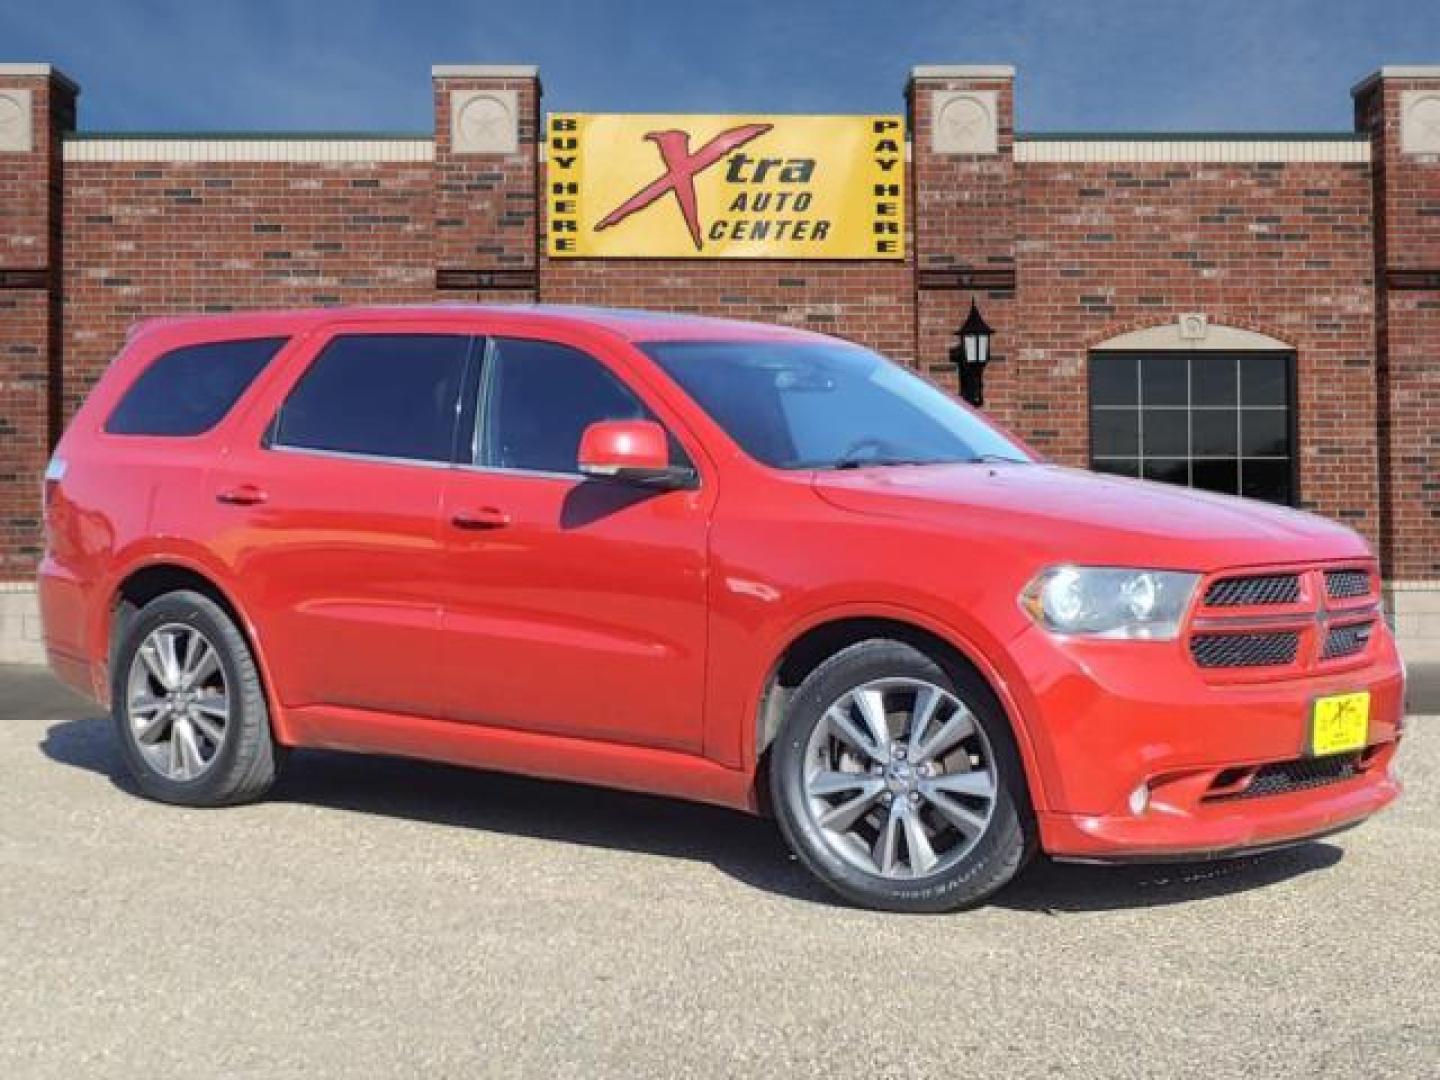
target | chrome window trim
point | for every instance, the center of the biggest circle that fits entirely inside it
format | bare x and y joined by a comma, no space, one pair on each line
501,470
354,455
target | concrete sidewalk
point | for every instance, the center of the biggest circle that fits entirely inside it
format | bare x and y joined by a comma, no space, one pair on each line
1423,688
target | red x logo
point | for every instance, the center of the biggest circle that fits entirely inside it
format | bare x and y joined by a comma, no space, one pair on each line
681,168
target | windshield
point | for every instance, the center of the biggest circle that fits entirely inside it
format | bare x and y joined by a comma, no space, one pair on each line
827,406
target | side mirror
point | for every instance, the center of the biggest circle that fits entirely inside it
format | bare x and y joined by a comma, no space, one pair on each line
636,451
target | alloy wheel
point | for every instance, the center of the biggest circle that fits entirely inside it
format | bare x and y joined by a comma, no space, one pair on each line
178,703
900,778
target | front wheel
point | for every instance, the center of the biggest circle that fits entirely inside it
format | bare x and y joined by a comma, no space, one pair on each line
897,782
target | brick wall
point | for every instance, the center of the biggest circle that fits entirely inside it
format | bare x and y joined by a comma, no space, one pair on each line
1407,257
1282,249
964,227
31,253
156,238
1061,256
871,303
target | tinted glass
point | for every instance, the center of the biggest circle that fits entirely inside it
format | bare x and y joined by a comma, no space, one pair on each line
1214,432
1115,379
1264,380
1217,474
1164,380
1166,432
1116,433
816,406
1218,421
386,395
1265,432
1118,466
189,391
540,400
1268,480
1170,470
1213,382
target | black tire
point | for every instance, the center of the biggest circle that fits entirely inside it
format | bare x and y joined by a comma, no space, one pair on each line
995,858
247,760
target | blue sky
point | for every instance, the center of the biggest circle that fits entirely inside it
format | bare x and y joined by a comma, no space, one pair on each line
364,64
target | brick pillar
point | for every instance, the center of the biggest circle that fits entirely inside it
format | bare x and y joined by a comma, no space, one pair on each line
487,126
37,106
1400,108
963,185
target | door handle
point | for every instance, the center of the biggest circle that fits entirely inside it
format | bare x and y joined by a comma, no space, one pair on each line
486,517
241,495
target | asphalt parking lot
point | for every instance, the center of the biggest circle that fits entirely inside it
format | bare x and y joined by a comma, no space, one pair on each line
379,918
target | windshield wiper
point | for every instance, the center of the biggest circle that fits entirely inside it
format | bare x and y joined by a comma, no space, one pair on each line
866,462
996,459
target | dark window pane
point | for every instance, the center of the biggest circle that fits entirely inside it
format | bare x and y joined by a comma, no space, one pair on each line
1221,476
1163,380
1117,467
542,398
1166,433
1115,432
1264,380
388,395
1113,379
1265,433
1212,381
189,390
1170,470
1213,433
1269,480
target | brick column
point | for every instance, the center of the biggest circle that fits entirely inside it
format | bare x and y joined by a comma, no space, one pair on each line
963,208
487,125
1400,108
37,105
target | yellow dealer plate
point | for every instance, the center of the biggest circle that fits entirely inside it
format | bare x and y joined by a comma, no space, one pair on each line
1339,723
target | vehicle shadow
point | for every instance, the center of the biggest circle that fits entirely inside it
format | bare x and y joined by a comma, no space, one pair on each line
746,848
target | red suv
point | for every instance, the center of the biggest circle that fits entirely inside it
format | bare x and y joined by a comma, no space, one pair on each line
735,563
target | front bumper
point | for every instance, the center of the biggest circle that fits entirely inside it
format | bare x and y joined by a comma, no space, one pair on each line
1105,718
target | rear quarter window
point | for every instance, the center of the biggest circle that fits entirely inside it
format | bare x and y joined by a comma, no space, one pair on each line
188,390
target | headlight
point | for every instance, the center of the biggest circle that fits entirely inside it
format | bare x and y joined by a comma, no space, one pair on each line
1110,603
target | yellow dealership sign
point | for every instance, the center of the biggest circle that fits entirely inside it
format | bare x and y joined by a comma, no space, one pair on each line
728,187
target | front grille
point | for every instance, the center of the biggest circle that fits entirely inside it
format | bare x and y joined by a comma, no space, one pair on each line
1244,650
1346,640
1301,774
1258,589
1346,584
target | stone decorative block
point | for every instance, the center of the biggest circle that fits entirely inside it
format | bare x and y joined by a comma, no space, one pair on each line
1420,122
966,122
484,122
1193,326
16,130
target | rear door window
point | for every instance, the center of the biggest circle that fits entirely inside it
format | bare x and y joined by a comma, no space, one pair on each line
380,395
189,390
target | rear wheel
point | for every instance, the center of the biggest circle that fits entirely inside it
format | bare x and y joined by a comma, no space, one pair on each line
188,706
897,782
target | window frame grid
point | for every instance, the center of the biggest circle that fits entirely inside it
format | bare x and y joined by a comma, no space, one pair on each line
1139,408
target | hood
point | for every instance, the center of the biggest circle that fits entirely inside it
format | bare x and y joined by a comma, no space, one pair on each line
1080,516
